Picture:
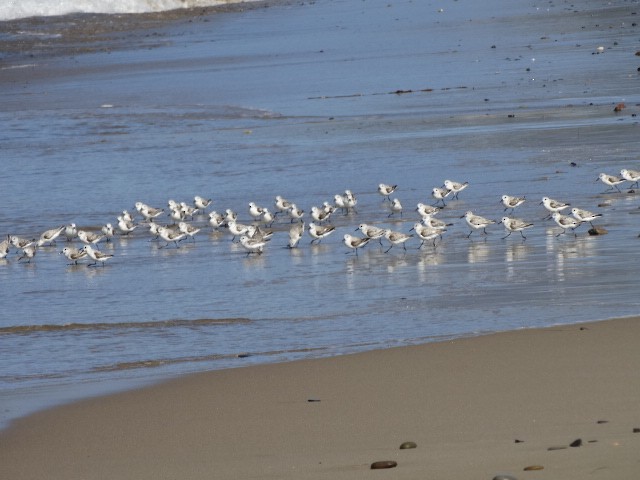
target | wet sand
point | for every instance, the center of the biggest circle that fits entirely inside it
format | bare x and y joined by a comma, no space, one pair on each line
475,408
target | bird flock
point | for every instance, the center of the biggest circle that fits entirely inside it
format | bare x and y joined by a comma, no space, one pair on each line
182,221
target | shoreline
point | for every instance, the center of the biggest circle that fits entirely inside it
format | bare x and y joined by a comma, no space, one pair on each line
476,407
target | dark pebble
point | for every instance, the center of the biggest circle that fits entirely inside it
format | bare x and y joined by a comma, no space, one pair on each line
313,400
603,421
636,430
407,445
383,464
576,443
518,441
531,468
598,231
243,355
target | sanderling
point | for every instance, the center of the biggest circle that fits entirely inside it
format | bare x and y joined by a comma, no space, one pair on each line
386,190
282,205
396,207
70,231
295,234
177,214
426,233
632,176
96,255
440,194
125,226
20,242
355,242
429,221
252,245
153,229
256,233
610,180
267,217
188,210
216,220
584,215
564,222
237,229
4,247
372,232
89,237
553,206
140,205
340,202
255,211
50,236
188,230
73,254
318,232
515,225
511,202
170,235
295,213
424,210
396,238
350,201
201,203
29,252
230,216
477,222
107,231
320,214
149,213
128,217
455,187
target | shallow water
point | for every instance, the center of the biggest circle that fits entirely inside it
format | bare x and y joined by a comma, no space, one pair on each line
299,101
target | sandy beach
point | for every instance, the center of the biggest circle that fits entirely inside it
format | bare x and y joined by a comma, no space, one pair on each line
475,408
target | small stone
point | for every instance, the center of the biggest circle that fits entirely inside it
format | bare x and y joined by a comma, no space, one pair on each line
598,231
602,421
559,447
383,464
531,468
517,440
636,430
504,477
407,445
576,443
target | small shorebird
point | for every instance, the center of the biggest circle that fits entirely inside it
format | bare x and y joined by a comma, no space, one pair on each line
396,207
355,242
73,254
564,222
70,231
50,236
318,232
455,187
424,209
216,220
295,234
372,232
515,225
440,194
386,190
125,226
28,252
295,213
201,203
632,176
476,222
4,247
89,237
107,231
511,202
427,233
252,245
610,180
188,230
282,204
96,255
553,206
396,238
584,215
169,235
255,211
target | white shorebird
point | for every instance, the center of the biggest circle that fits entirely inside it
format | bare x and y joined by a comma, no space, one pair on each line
553,206
188,229
611,180
230,216
396,207
127,216
252,245
201,203
282,204
318,232
267,217
386,190
149,213
511,202
255,211
396,238
515,225
28,252
584,215
236,229
295,213
153,229
188,210
424,209
426,233
89,237
372,232
295,234
440,194
429,221
477,222
96,255
564,222
216,220
170,235
355,242
70,231
73,254
108,232
350,201
125,226
320,214
50,236
455,187
632,176
4,247
20,242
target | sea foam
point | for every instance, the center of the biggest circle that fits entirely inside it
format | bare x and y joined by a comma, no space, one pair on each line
15,9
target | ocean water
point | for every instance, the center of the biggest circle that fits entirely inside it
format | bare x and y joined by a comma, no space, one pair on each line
306,101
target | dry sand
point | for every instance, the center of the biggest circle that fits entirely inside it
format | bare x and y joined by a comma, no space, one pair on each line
475,407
